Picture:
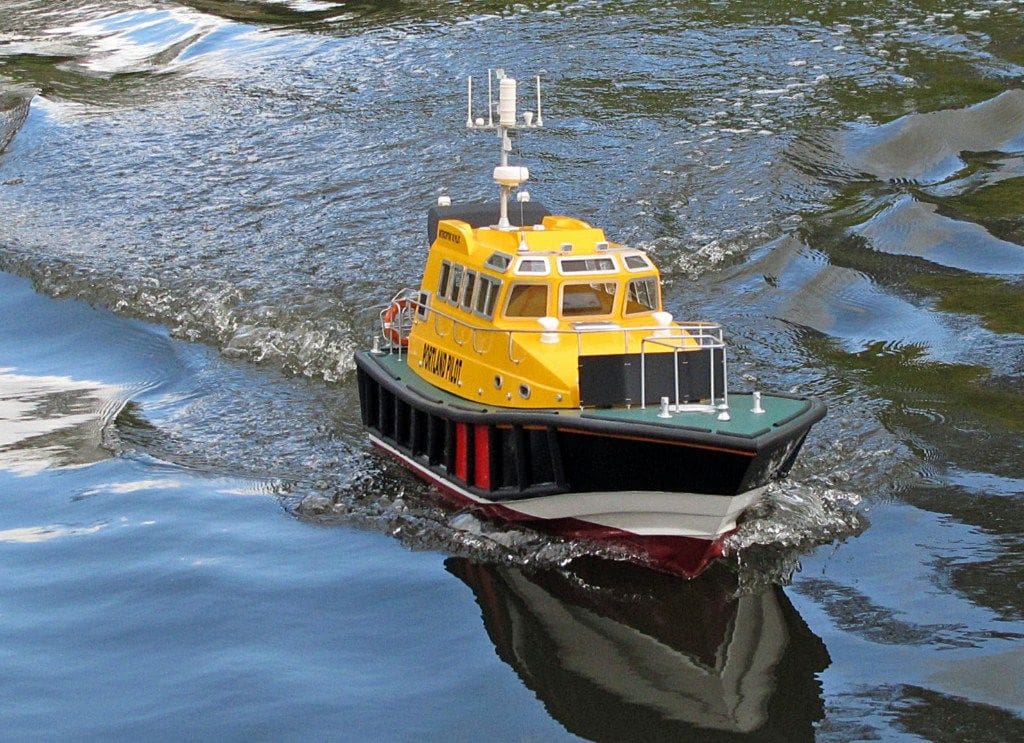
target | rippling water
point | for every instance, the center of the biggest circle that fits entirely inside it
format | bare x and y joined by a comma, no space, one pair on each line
196,537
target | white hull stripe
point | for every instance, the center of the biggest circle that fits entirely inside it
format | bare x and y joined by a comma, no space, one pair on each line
647,513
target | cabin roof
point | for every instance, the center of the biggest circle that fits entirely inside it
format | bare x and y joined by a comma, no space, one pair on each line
484,214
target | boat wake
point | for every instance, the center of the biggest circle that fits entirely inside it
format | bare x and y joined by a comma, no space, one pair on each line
313,344
795,517
14,106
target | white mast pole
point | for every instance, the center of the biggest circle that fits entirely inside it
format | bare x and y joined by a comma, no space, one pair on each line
490,102
469,101
540,119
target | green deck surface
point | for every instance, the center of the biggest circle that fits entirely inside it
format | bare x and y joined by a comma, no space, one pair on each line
742,421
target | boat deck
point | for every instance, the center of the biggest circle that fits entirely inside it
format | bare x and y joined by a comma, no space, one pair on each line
743,423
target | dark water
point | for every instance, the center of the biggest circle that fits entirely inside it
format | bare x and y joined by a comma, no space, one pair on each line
195,539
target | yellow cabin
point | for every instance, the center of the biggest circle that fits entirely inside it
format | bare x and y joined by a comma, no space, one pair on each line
513,316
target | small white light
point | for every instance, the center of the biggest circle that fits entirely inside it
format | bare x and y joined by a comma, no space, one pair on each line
523,196
479,121
444,200
758,408
528,117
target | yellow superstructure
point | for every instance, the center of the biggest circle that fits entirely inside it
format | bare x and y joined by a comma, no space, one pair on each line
503,315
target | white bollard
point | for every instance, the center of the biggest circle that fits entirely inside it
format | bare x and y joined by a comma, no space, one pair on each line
550,325
664,409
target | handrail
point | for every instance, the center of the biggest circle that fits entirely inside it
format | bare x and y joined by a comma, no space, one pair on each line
707,336
711,343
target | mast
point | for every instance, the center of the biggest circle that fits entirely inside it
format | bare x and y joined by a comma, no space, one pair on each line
508,177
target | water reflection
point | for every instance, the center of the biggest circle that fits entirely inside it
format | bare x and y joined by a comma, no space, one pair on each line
50,421
616,652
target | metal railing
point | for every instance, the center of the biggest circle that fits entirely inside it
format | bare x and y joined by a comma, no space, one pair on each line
680,338
706,341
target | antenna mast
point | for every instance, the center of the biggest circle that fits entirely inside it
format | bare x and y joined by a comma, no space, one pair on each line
506,176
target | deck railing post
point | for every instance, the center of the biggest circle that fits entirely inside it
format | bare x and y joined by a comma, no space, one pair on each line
711,351
643,374
675,371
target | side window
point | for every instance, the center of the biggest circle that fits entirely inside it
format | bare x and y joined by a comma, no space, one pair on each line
527,300
442,283
422,305
454,291
467,292
642,295
486,296
595,298
492,298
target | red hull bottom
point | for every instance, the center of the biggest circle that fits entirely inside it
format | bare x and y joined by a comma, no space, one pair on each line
687,557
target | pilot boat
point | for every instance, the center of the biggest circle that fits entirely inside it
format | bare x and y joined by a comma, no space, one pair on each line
535,376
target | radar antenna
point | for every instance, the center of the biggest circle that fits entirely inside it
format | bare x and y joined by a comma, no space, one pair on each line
508,177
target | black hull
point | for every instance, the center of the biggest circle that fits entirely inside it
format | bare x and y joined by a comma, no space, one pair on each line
501,455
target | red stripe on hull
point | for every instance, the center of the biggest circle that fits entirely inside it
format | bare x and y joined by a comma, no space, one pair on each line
482,456
461,451
683,556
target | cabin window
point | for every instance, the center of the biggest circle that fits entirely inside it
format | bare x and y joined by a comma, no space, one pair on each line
486,296
587,265
442,283
467,291
527,300
454,292
642,295
499,262
422,305
533,265
594,298
637,262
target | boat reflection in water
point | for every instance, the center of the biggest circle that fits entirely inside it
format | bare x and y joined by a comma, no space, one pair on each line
617,652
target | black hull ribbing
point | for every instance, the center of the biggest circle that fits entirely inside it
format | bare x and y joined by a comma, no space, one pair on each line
505,455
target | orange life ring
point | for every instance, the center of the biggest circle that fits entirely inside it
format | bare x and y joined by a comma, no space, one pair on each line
393,312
